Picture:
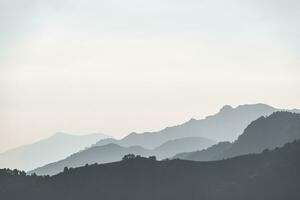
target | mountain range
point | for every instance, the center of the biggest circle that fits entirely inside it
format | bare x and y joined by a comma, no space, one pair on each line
264,133
49,150
226,125
113,152
271,175
262,163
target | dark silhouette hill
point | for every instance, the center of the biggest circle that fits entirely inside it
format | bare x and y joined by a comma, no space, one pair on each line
264,133
271,175
226,125
113,152
49,150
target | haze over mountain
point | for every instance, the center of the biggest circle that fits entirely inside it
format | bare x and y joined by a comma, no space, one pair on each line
264,133
113,152
226,125
97,154
208,154
119,66
271,175
172,147
54,148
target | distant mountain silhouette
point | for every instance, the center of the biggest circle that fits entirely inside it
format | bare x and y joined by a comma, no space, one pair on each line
113,152
54,148
208,154
172,147
271,175
226,125
97,154
264,133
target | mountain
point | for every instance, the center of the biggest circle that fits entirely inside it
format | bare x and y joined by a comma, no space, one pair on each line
113,152
172,147
208,154
97,154
54,148
271,175
264,133
226,125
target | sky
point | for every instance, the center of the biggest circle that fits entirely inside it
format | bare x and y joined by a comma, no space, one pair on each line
115,66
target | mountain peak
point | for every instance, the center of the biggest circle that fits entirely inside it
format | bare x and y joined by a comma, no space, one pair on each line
226,108
192,120
132,134
258,105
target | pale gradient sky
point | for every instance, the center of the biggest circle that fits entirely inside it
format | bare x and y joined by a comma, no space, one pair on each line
119,66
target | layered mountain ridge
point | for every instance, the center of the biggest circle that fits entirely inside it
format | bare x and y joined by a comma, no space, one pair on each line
264,133
48,150
226,125
113,152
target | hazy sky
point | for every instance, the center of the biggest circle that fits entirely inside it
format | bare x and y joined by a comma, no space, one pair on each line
119,66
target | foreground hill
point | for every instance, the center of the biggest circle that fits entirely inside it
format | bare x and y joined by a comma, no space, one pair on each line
226,125
113,152
54,148
264,133
271,175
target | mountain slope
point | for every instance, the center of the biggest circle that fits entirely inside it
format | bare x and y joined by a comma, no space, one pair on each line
264,133
98,154
205,154
113,152
226,125
172,147
54,148
271,175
